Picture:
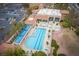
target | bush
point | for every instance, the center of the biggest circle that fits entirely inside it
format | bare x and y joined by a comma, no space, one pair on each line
15,52
66,23
40,53
55,52
19,51
61,54
77,31
61,6
32,8
56,46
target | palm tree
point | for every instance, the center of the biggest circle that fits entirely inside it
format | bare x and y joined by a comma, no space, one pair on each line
19,51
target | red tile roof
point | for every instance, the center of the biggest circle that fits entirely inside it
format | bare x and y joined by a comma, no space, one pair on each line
28,21
42,17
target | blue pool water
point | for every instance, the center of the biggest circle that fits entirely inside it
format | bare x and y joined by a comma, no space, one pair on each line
22,33
35,41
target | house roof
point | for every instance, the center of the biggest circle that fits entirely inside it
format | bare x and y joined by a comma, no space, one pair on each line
49,12
42,17
30,20
43,14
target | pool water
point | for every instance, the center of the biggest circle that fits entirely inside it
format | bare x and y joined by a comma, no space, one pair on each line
22,33
35,41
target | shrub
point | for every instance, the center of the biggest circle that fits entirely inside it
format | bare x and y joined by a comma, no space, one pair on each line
53,44
56,46
66,23
55,52
15,52
61,54
39,53
77,31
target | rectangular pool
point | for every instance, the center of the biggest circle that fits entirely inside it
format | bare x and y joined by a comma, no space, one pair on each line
35,41
21,34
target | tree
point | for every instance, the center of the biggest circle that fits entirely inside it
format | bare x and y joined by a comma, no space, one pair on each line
16,26
18,51
32,7
55,50
39,53
77,31
61,54
56,46
61,6
66,23
26,5
53,44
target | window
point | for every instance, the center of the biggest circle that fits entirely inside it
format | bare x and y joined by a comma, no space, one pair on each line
56,19
50,18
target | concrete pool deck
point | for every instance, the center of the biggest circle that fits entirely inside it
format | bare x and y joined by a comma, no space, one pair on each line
45,46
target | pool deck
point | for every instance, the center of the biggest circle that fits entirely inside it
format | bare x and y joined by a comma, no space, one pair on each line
46,39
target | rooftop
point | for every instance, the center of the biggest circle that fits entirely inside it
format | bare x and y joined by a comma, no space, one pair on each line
42,17
50,12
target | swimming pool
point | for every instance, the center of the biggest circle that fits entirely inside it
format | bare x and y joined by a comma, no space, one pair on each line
35,41
22,34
